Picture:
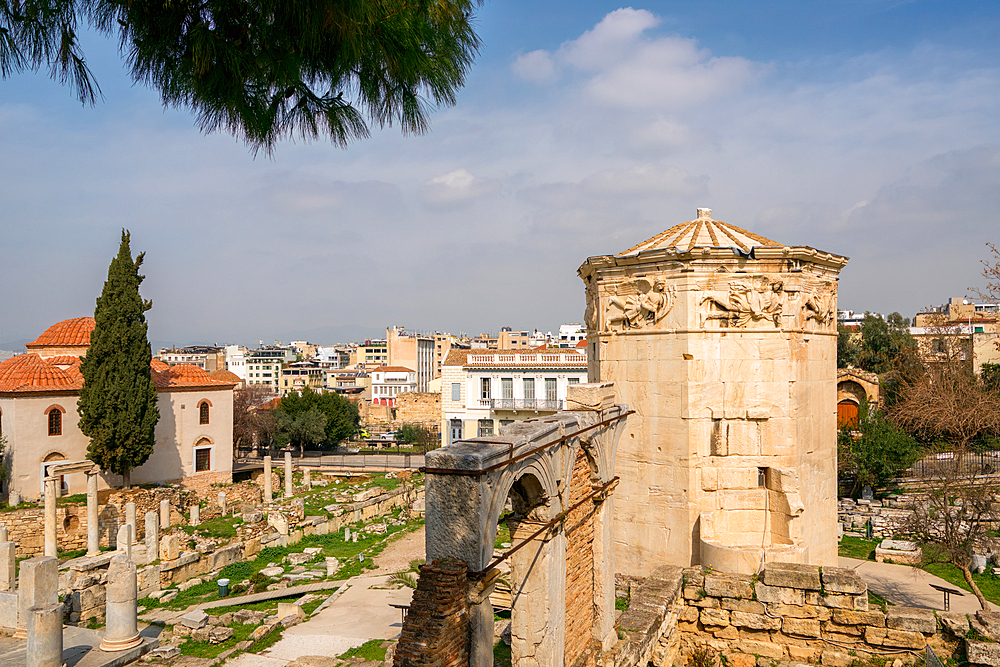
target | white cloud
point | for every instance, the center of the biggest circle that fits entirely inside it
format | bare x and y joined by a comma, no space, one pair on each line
645,179
535,66
456,188
610,41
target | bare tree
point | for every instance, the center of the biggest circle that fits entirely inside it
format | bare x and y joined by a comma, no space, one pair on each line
948,403
991,272
953,518
253,423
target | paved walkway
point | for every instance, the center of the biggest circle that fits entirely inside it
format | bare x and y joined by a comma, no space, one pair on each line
910,586
357,614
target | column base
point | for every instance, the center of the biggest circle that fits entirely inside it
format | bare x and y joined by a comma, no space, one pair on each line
20,633
112,645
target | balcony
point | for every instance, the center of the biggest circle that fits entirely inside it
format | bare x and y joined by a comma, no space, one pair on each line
515,404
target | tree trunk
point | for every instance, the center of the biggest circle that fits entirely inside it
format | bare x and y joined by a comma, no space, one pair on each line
975,589
127,481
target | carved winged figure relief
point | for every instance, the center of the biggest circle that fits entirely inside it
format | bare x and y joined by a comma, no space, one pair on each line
820,307
749,301
639,302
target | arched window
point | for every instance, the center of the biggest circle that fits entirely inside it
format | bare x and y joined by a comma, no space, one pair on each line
55,421
203,412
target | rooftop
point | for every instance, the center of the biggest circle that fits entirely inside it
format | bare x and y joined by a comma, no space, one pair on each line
556,357
702,232
68,333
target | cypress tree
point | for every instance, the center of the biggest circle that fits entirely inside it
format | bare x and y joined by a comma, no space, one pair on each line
117,404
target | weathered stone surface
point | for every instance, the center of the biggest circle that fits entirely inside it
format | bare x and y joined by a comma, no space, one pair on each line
779,595
987,623
688,614
728,633
219,635
766,649
872,618
983,653
194,619
718,617
792,575
843,580
954,622
728,586
911,619
746,606
754,621
837,659
272,571
894,638
800,627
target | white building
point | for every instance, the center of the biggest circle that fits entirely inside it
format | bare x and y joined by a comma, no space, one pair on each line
571,334
390,381
264,366
236,361
483,390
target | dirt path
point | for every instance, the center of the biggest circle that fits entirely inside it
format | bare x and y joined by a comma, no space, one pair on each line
397,556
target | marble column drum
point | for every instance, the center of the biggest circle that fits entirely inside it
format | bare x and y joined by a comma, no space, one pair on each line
288,474
268,492
45,639
120,608
51,546
93,527
152,536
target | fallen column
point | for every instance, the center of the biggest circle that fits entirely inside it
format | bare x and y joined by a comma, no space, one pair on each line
120,609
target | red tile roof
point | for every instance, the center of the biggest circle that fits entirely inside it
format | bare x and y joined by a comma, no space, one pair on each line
392,369
29,373
74,332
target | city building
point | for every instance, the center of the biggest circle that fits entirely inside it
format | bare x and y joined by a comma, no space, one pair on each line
372,354
484,342
236,360
411,350
264,365
38,415
571,334
960,310
508,339
388,382
483,390
301,375
205,357
958,331
337,356
852,320
304,349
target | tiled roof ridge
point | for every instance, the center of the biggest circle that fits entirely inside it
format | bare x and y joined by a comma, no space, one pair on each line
686,236
73,332
29,372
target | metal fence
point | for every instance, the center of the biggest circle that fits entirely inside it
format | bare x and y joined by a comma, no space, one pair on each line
952,463
353,460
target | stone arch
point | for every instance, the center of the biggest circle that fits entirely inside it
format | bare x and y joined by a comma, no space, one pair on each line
849,390
55,455
560,472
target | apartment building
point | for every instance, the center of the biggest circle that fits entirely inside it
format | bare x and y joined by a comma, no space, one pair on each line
264,366
206,357
571,334
372,354
236,360
508,339
388,382
414,351
300,375
483,390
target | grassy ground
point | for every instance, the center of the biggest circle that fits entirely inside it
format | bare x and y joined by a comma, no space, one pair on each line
370,545
989,584
503,535
206,650
855,547
220,527
371,650
501,655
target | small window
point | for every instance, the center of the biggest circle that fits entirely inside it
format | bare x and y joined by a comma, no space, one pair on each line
55,422
202,459
456,391
485,428
761,477
203,413
573,380
485,388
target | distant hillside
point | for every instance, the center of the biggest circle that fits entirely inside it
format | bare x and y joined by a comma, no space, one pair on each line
6,354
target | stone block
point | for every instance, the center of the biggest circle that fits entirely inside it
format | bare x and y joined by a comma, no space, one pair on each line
843,580
779,594
202,634
792,575
898,551
746,606
714,617
986,654
894,638
728,586
688,615
286,609
8,610
837,659
801,627
194,619
955,622
590,396
987,623
911,619
806,611
218,635
754,621
837,601
803,653
765,649
170,547
875,619
728,633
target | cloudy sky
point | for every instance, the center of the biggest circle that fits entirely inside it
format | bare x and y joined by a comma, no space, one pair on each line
862,127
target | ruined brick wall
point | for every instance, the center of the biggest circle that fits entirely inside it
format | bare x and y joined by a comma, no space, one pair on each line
244,493
418,407
579,527
26,529
436,630
802,613
206,483
147,500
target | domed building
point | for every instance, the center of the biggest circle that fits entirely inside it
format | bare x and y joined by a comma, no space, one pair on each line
38,396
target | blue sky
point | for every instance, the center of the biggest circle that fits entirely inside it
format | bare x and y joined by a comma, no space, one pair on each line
863,128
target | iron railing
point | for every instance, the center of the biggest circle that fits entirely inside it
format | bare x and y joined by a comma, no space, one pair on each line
525,404
953,463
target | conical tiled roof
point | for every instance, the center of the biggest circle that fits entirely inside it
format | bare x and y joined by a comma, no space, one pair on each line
702,232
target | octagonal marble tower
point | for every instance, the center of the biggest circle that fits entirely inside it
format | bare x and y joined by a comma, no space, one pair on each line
725,345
